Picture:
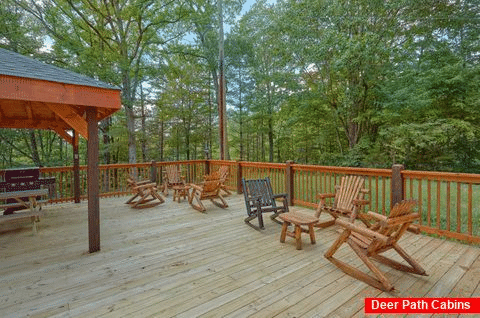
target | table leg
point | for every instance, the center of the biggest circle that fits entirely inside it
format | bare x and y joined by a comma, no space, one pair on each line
298,236
312,233
284,231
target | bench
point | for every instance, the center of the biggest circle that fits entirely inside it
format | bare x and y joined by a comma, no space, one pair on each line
33,216
27,179
32,203
23,189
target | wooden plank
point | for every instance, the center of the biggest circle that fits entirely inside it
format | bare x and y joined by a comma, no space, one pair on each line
24,193
154,259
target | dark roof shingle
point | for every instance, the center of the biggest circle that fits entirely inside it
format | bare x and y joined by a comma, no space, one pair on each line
14,64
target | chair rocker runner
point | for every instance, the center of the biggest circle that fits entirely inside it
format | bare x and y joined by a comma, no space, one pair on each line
369,243
348,200
145,194
207,190
259,199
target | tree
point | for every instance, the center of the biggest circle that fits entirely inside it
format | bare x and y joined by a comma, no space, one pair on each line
110,40
19,32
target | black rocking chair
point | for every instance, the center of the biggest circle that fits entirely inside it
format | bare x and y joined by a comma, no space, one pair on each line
260,199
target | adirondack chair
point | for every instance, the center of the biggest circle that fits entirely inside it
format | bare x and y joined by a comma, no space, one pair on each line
145,194
368,243
259,199
223,172
348,201
172,177
208,190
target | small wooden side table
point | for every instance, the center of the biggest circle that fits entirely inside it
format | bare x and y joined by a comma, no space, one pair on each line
298,219
180,191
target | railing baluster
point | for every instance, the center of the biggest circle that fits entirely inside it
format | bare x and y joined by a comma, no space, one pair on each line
448,207
470,195
459,209
438,204
429,202
420,200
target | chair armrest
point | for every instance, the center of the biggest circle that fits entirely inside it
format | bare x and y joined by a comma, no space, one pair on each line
360,202
283,197
414,228
376,216
403,219
325,195
362,230
146,185
195,187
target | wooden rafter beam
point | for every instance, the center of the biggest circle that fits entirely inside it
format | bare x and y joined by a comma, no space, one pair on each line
63,134
71,118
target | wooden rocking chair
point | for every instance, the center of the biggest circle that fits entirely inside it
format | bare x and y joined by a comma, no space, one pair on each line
259,199
223,172
370,242
348,200
207,190
172,177
145,194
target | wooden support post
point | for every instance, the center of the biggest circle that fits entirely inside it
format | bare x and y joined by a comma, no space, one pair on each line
397,185
289,182
76,168
153,171
239,177
207,167
93,187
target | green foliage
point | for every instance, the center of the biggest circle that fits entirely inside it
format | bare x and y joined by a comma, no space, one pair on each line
19,32
356,83
446,144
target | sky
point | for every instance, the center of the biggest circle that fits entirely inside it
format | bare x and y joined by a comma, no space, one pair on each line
248,4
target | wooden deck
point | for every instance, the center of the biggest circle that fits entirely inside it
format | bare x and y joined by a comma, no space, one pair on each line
172,261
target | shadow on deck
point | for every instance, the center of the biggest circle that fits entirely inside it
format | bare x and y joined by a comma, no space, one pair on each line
171,260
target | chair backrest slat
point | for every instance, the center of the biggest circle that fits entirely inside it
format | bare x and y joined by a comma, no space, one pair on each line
349,190
173,174
261,188
223,172
395,231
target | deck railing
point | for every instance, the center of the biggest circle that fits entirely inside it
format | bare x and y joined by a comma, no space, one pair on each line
449,203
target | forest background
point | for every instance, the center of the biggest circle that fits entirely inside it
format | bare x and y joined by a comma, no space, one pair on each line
332,82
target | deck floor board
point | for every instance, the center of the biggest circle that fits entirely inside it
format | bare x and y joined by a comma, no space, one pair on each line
172,261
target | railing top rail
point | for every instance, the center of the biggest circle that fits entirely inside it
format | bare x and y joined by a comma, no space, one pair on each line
442,176
412,174
267,165
184,162
346,170
223,162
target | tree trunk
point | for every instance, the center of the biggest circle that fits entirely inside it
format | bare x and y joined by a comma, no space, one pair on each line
34,147
144,129
132,149
270,139
161,139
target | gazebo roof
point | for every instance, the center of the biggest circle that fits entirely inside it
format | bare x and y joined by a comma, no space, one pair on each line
41,96
18,65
